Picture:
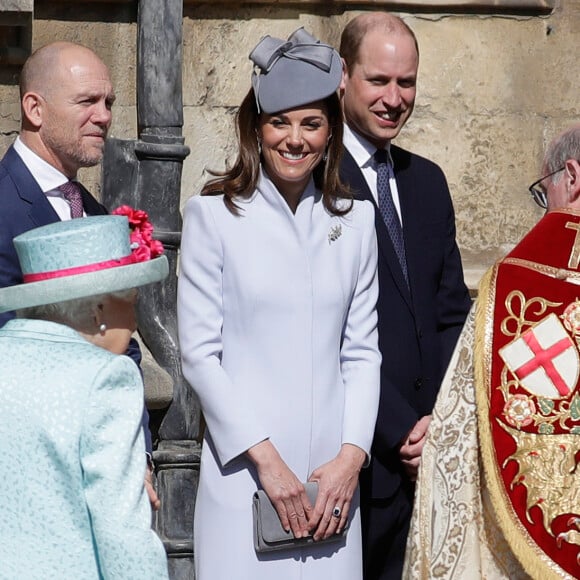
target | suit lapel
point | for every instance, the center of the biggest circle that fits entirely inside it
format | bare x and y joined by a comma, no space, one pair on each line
410,209
90,204
351,174
40,211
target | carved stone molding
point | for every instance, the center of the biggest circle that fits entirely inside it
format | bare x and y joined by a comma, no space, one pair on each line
541,6
457,6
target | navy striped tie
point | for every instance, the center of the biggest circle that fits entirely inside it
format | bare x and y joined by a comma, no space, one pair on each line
388,209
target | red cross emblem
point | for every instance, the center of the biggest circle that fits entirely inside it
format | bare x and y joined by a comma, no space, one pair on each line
544,359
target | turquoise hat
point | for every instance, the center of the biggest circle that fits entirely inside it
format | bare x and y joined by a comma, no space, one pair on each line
80,258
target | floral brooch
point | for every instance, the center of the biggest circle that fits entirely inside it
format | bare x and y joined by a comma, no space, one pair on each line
334,233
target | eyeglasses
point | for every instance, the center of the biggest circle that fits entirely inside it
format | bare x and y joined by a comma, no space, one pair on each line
538,193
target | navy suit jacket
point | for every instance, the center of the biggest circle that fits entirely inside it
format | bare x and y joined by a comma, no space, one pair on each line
23,206
418,327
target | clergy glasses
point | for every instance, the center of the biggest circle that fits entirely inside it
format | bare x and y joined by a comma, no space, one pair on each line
538,192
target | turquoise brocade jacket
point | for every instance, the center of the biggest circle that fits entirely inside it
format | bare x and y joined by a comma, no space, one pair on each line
72,459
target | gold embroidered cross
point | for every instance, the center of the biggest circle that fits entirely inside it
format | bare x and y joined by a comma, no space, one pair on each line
574,260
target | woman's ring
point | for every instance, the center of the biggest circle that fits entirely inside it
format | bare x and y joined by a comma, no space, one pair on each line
336,512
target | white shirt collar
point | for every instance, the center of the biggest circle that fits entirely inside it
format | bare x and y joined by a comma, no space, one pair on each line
47,176
361,150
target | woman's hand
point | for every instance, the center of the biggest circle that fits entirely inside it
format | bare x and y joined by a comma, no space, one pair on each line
337,481
284,489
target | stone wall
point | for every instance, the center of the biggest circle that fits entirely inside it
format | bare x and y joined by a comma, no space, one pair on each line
493,89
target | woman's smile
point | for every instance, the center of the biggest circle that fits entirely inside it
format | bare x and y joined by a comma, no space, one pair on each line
293,156
293,144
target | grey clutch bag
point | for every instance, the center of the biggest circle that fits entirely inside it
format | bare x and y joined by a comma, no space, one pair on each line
270,536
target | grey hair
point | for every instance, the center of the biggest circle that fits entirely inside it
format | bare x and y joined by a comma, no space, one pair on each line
565,146
78,313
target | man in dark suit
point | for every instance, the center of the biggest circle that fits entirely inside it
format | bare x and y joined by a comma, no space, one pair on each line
66,98
423,300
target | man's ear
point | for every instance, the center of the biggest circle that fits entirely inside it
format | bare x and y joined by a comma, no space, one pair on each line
33,108
572,177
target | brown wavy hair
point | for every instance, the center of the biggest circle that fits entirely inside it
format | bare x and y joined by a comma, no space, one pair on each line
240,181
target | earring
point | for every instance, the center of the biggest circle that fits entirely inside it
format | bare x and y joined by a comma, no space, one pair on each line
102,328
325,156
259,147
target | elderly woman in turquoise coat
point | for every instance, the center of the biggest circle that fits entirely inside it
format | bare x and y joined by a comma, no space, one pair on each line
72,448
277,326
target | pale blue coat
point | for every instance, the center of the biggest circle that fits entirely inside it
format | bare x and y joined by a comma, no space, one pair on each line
277,327
72,459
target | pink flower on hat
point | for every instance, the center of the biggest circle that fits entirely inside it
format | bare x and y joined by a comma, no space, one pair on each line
143,246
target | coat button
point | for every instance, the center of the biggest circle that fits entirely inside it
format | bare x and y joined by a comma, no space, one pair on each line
418,383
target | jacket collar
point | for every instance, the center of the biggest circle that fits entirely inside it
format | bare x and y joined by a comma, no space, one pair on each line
17,328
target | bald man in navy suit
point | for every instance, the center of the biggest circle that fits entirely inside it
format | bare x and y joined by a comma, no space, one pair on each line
423,300
66,98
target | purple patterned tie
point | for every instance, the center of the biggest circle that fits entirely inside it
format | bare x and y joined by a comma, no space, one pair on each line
388,209
71,191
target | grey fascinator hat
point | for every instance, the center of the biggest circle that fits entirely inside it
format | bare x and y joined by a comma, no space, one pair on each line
294,72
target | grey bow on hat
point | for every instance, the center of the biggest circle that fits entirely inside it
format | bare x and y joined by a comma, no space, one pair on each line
300,46
285,78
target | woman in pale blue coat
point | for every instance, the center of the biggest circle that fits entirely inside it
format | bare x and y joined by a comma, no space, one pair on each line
71,444
277,326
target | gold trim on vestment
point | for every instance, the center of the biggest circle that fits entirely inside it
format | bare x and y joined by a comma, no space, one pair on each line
558,273
532,558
